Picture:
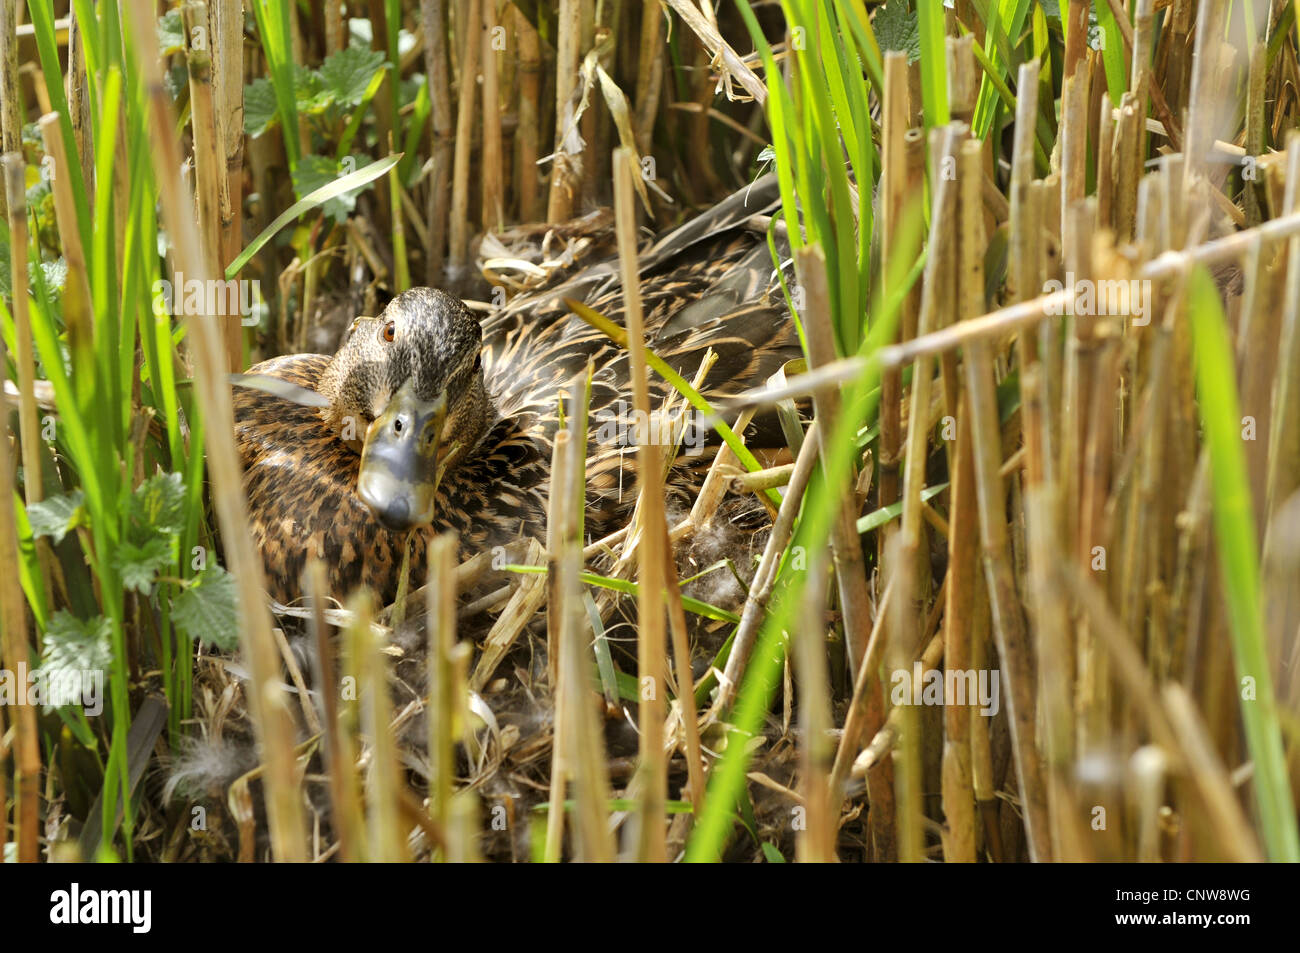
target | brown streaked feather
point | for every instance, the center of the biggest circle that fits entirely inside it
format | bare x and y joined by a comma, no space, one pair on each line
708,284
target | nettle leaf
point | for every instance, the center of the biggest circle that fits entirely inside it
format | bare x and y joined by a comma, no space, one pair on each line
309,92
347,73
896,29
159,503
171,33
140,565
77,645
314,172
56,274
57,515
207,611
259,107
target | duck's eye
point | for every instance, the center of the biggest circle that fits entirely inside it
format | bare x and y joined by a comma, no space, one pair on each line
390,331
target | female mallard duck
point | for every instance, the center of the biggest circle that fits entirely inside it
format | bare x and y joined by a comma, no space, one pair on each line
425,389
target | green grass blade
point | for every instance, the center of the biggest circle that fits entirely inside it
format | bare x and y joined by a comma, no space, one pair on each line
1234,521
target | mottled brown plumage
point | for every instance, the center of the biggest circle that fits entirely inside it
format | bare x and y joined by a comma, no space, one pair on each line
708,284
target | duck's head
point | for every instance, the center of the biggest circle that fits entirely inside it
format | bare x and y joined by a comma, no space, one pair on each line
406,390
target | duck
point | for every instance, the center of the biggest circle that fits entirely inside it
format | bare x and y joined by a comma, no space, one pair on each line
430,419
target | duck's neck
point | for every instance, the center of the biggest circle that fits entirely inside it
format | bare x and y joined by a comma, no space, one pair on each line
469,422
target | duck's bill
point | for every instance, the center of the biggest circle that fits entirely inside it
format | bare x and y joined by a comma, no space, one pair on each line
399,460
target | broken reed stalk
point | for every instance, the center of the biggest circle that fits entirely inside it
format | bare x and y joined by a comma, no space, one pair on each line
565,170
433,13
267,702
14,171
458,235
383,788
903,635
440,610
816,843
846,544
345,798
651,652
584,744
1008,620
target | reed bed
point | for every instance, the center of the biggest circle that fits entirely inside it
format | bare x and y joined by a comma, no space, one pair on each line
1024,584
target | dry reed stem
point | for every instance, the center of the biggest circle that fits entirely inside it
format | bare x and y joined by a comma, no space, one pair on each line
440,611
345,798
725,57
77,311
894,183
565,169
760,590
13,647
1009,626
433,13
490,156
387,841
649,73
210,168
846,544
650,499
586,757
962,579
266,700
529,132
13,168
901,625
527,599
458,235
563,753
816,842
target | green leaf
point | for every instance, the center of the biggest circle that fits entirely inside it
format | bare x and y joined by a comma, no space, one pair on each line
57,515
171,33
140,565
896,29
159,503
74,645
207,611
347,73
309,92
259,107
1234,523
56,274
348,183
318,172
772,854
